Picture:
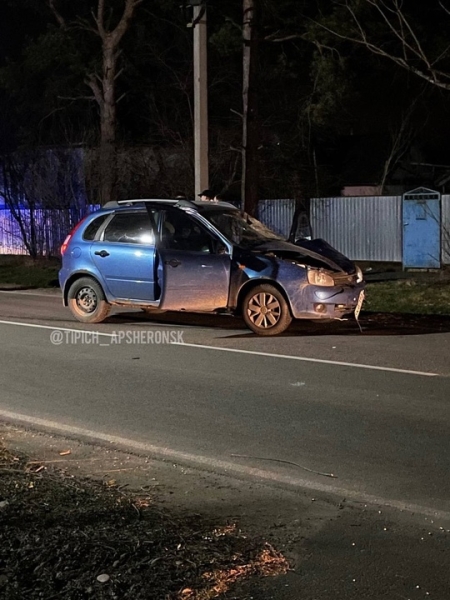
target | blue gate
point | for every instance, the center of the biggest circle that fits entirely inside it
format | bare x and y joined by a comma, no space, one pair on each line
421,229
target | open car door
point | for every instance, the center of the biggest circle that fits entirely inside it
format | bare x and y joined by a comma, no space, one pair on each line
193,265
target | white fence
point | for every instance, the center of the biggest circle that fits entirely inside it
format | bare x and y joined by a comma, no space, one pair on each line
369,228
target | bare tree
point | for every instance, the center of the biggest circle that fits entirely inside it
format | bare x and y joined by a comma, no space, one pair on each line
103,85
405,48
13,195
41,190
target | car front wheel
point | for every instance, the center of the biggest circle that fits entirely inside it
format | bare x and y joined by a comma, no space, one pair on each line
87,301
265,310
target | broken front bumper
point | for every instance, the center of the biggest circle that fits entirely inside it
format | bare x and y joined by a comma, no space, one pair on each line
316,302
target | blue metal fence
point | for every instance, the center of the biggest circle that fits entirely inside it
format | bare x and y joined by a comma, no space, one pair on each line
277,215
50,227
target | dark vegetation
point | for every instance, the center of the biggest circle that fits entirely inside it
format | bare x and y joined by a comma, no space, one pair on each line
26,272
62,537
321,96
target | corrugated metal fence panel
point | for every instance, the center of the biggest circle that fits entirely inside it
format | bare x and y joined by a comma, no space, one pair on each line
10,238
362,228
445,230
277,215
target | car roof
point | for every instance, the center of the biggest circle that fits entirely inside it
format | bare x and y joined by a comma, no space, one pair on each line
199,205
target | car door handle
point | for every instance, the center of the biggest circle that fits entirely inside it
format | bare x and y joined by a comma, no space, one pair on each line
101,253
173,262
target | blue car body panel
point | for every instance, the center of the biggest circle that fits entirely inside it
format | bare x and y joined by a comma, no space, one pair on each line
127,271
194,281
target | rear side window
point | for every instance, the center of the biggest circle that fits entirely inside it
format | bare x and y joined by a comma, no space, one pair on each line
91,230
129,228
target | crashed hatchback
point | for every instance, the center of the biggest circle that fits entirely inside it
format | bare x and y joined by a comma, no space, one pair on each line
203,257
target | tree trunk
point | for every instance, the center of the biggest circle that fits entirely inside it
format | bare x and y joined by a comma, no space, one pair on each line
104,87
108,126
250,131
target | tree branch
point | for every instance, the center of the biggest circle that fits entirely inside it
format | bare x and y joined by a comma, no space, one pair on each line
273,37
90,98
118,74
100,19
93,83
117,34
58,16
411,55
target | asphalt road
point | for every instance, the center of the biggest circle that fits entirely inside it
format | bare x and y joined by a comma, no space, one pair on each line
372,408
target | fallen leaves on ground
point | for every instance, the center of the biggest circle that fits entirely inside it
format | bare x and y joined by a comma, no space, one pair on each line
63,537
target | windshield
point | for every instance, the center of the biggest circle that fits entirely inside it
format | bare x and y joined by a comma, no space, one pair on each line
240,228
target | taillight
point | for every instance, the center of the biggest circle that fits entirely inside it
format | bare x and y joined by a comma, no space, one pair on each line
65,244
69,237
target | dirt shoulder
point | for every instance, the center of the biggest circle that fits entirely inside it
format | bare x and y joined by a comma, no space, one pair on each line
80,521
74,514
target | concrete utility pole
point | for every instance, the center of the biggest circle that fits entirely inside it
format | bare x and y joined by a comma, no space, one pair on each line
199,25
250,129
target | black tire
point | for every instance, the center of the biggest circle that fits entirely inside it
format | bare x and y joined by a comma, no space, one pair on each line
265,310
87,301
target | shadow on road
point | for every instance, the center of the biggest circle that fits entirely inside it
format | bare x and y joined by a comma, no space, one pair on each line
386,324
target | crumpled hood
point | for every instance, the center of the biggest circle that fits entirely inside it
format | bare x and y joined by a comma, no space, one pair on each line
318,249
323,249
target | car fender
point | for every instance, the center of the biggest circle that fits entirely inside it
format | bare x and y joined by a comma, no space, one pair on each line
94,274
251,283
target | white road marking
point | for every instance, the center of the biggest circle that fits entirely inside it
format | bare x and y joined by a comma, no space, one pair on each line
216,464
238,351
313,360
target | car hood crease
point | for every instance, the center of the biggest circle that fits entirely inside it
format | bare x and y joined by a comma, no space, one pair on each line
317,249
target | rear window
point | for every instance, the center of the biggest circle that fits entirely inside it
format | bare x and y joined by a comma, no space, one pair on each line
130,228
91,230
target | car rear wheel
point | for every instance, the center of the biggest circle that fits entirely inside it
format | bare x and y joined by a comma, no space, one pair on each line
265,310
87,301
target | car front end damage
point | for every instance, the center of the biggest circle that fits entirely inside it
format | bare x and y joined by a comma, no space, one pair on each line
317,302
322,294
316,287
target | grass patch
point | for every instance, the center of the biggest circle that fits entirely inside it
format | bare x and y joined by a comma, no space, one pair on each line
421,295
26,272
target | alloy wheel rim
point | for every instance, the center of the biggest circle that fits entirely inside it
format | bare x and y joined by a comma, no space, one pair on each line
264,310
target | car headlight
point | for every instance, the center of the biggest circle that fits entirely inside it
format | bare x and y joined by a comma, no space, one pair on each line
316,277
359,275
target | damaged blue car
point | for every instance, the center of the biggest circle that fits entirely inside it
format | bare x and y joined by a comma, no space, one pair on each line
203,257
